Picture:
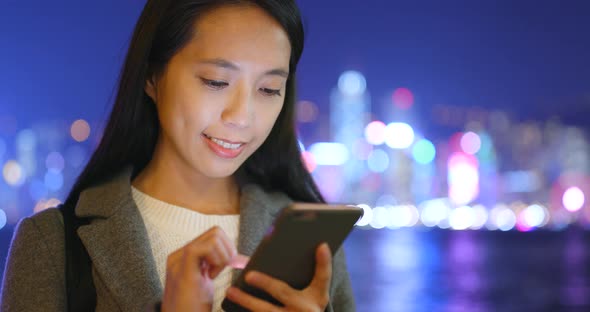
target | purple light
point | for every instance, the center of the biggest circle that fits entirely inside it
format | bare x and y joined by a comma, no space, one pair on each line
470,143
55,161
463,178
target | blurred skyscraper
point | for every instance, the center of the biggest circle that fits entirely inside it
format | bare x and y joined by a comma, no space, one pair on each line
350,107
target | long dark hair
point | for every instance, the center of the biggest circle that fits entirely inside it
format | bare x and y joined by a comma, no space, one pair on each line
130,136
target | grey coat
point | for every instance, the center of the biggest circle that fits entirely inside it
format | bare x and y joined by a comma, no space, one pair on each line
123,267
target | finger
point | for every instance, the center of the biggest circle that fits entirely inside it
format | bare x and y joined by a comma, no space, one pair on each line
221,237
249,302
239,261
207,253
227,243
323,270
216,257
278,289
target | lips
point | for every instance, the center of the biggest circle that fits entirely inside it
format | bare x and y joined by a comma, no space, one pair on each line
223,140
223,148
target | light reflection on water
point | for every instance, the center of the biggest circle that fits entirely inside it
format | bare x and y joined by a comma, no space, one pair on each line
417,270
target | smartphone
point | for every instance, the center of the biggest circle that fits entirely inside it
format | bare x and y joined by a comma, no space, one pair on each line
287,251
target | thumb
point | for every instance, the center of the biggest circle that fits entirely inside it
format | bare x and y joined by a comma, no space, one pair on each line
323,268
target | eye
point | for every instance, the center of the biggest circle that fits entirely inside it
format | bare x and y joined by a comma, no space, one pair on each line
214,84
270,92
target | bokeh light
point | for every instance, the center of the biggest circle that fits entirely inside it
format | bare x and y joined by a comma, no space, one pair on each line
423,151
80,130
55,161
381,217
13,173
26,140
573,199
505,220
461,218
352,83
403,98
455,142
361,149
434,211
399,135
309,161
463,178
402,216
46,204
307,111
480,217
53,180
491,224
367,215
329,153
470,143
76,156
3,219
533,216
375,132
378,161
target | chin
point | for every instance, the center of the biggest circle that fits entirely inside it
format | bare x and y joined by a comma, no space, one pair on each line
217,171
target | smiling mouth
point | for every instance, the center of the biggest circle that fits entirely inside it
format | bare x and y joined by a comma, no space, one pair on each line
223,143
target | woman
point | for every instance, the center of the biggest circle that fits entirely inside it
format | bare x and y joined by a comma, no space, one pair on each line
198,156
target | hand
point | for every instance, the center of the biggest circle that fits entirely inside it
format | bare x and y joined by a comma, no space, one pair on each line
190,271
313,298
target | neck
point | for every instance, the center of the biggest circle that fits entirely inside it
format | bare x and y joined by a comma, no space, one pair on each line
174,182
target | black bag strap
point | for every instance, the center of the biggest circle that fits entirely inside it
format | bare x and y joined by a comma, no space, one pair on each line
79,283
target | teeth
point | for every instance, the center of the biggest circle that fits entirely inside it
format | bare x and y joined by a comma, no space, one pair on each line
225,144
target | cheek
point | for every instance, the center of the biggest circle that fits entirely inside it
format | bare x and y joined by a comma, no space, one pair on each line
187,112
266,120
173,117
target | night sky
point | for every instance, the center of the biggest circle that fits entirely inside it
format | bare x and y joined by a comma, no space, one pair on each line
60,59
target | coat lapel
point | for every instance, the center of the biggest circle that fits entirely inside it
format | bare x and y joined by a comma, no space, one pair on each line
118,244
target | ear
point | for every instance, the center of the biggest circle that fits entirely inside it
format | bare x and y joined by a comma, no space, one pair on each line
150,88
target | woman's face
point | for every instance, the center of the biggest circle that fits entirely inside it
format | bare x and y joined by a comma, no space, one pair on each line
220,95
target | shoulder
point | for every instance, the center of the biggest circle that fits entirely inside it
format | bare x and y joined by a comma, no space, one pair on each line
46,222
44,229
35,261
48,217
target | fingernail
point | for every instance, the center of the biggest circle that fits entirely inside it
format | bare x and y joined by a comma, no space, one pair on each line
239,261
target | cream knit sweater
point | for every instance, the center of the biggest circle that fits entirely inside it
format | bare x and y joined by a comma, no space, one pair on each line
171,227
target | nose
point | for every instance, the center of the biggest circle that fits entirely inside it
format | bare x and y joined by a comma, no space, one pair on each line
239,109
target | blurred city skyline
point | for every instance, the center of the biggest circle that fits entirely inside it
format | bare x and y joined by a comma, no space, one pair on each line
510,79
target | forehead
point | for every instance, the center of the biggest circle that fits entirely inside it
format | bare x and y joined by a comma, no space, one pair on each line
243,34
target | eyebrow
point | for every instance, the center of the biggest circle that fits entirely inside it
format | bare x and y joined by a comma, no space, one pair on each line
229,65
